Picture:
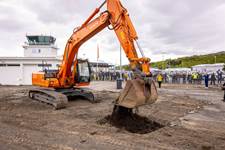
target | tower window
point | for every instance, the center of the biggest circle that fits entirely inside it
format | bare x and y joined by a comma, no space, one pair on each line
39,51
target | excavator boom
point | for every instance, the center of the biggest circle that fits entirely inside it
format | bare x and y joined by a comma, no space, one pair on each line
138,91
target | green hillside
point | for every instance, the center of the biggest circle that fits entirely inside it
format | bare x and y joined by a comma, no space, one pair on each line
191,61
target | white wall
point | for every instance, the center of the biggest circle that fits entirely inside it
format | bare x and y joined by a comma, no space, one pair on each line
208,67
27,73
22,75
10,75
40,51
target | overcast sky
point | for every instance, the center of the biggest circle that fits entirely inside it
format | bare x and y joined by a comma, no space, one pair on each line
166,28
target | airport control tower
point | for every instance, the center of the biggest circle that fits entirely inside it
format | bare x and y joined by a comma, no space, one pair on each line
40,46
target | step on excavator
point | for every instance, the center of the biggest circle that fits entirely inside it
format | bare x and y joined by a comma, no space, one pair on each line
57,86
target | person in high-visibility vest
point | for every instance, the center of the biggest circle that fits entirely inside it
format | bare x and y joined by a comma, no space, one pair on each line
195,77
159,79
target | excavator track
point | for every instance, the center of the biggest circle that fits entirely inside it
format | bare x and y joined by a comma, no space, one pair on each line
48,96
60,97
72,93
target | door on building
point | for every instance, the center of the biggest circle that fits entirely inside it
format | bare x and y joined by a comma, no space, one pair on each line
27,73
10,75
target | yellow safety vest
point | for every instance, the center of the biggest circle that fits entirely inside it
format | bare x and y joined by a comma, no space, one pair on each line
159,78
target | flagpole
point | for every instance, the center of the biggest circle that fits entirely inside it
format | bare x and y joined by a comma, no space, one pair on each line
120,63
97,58
97,66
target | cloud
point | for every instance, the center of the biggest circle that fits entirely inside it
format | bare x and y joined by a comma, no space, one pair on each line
14,18
173,28
186,24
60,12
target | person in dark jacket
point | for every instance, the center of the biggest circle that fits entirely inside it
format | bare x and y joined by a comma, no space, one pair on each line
206,77
220,76
213,79
223,88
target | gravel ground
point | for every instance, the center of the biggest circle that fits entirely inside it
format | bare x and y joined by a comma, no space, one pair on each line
192,118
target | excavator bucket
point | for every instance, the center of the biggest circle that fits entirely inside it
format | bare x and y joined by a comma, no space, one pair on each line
136,93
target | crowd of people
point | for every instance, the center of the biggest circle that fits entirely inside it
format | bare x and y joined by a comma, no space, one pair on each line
165,77
206,78
192,77
112,75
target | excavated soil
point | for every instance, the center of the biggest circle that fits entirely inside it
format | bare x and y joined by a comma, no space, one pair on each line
183,118
134,123
131,122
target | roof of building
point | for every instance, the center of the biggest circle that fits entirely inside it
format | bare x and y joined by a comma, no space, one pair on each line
178,69
209,65
95,64
29,58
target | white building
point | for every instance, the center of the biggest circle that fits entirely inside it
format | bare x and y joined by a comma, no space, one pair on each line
39,52
101,66
169,70
208,67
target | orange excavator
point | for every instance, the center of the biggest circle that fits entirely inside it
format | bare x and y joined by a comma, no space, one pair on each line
60,85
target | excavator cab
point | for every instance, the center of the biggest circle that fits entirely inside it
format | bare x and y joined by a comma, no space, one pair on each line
83,73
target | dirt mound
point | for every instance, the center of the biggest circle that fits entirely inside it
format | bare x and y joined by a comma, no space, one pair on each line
124,118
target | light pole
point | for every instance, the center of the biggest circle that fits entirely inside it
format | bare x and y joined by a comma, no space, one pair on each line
97,58
119,80
163,63
120,63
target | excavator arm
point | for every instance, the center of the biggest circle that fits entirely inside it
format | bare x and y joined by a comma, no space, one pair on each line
116,16
79,36
138,91
126,34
